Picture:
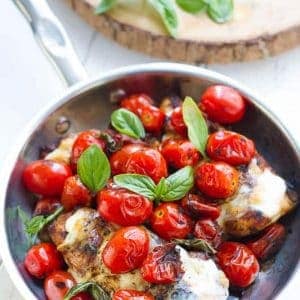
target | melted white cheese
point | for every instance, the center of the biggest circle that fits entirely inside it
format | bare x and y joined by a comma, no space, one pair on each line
203,278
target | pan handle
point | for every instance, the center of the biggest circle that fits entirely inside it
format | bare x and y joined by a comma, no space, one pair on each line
53,39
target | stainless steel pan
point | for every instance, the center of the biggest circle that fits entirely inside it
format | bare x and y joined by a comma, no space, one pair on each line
87,105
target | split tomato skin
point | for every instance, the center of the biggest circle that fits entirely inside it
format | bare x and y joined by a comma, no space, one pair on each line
123,207
46,177
131,295
179,153
162,265
142,105
230,147
238,263
75,194
198,207
208,230
43,259
169,221
176,119
84,140
46,206
126,250
223,104
217,179
57,284
137,159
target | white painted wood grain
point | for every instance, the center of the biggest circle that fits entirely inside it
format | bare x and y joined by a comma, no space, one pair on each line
28,81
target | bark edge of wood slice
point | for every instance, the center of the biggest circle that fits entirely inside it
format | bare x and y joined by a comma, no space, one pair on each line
188,51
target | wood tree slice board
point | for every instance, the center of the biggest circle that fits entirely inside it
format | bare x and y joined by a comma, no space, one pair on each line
259,28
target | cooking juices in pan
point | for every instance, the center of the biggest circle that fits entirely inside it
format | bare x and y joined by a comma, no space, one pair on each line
165,203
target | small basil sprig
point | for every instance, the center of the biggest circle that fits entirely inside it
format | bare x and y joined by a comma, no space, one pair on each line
192,6
164,8
196,244
93,288
93,168
196,124
167,12
37,223
124,121
105,5
171,188
220,11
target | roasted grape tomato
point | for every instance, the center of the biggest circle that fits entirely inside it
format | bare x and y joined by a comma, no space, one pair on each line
268,242
179,153
123,207
198,207
223,104
126,250
46,206
169,221
162,265
230,147
42,259
238,263
83,296
46,177
177,121
84,140
217,179
57,284
75,194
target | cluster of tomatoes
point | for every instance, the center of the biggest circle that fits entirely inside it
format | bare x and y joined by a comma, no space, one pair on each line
193,216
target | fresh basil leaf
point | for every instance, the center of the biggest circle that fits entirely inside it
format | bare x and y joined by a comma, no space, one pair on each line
167,12
220,11
161,188
37,223
136,183
93,288
105,5
178,184
196,124
196,244
128,123
93,168
191,6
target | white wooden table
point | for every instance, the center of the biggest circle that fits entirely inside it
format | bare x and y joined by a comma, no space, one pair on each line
28,81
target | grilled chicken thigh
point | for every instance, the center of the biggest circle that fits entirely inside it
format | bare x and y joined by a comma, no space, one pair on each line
82,236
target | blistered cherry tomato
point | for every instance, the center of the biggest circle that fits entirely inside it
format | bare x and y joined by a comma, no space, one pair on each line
230,147
169,221
131,295
209,231
162,265
268,242
123,207
126,250
139,159
151,116
83,296
223,104
119,159
46,177
179,153
42,259
75,194
82,142
217,179
199,207
238,263
177,121
46,206
57,285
